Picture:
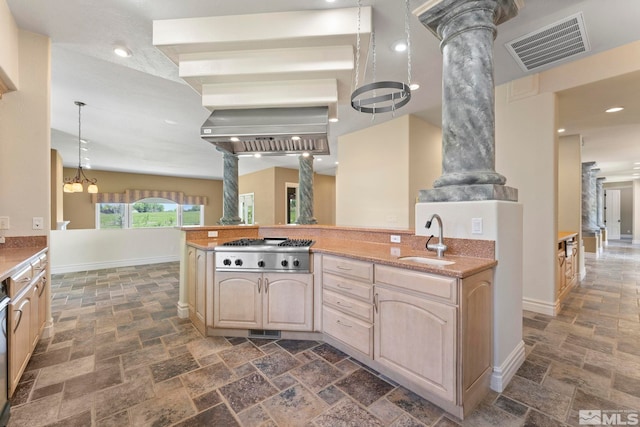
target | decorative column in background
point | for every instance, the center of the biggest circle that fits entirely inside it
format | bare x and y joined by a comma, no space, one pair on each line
590,229
305,187
467,30
600,207
230,191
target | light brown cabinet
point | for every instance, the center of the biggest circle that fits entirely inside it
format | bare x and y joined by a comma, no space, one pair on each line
567,264
430,333
272,301
26,315
200,273
347,303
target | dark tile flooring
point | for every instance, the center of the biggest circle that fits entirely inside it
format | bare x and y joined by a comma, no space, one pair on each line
121,357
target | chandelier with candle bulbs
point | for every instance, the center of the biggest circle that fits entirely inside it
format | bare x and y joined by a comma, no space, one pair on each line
76,184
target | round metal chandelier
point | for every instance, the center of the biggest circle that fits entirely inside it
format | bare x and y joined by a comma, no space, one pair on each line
382,96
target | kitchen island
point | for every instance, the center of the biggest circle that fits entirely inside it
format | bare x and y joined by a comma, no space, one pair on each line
421,322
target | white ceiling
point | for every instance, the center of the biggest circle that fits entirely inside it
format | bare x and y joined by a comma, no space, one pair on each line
141,117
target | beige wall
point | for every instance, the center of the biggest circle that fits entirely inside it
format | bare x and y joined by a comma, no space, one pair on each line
526,153
425,160
25,140
570,183
57,200
268,187
79,209
381,170
261,184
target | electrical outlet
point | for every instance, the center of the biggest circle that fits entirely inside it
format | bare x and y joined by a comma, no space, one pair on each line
213,234
38,223
4,222
476,225
395,238
395,251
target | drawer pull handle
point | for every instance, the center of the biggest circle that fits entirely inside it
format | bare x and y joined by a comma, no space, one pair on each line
345,287
259,285
343,324
19,310
375,302
341,267
24,279
266,286
341,304
44,285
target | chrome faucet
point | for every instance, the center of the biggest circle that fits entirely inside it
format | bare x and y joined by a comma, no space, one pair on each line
439,247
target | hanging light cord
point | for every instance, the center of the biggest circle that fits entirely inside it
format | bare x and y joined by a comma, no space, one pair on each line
407,29
358,42
79,104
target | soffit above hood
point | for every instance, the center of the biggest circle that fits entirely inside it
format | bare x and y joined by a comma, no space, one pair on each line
269,131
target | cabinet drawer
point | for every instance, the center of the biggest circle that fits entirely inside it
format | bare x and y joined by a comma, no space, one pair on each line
19,280
348,305
428,284
349,330
349,287
348,267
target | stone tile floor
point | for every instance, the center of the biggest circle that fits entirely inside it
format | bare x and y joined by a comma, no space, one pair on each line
121,357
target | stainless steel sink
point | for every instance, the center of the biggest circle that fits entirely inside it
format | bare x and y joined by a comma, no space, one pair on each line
425,260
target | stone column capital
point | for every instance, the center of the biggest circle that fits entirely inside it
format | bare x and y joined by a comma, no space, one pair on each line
434,13
588,165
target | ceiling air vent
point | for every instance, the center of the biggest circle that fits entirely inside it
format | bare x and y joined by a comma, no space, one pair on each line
551,44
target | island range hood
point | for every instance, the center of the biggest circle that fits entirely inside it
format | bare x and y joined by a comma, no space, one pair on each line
269,131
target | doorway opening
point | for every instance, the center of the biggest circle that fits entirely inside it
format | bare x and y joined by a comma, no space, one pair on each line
293,202
246,208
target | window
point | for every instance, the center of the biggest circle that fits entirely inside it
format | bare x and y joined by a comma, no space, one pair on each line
147,213
246,208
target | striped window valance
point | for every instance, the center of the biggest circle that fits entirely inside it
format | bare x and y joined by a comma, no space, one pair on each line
131,196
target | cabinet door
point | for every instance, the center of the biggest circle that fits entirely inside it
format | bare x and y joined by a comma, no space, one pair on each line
288,302
238,300
19,328
191,280
200,290
424,353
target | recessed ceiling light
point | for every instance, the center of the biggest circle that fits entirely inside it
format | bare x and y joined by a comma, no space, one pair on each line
292,155
330,1
257,155
84,141
305,154
234,139
637,163
561,130
636,174
318,159
87,159
400,46
414,86
87,166
636,168
295,138
333,119
170,122
337,163
614,109
84,148
122,52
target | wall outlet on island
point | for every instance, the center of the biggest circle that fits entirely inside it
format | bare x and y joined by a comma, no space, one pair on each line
395,238
213,234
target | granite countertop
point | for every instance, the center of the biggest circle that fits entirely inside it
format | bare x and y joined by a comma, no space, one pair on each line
566,235
382,253
12,258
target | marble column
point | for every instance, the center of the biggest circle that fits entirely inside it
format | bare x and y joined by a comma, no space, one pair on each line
467,29
230,191
305,187
589,206
600,202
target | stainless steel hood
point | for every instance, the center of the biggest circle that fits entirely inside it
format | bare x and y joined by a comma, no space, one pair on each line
269,131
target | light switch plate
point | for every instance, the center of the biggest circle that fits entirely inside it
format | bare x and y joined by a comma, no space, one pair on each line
38,223
476,225
395,238
4,222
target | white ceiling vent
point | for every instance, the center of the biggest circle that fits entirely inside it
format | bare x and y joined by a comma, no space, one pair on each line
550,44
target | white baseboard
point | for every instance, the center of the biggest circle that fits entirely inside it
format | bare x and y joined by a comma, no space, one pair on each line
72,268
542,307
502,374
183,310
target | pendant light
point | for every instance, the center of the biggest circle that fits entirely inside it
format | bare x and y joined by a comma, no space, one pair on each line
76,184
382,96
